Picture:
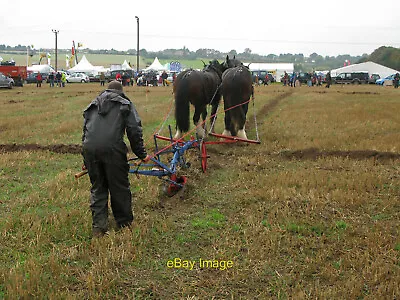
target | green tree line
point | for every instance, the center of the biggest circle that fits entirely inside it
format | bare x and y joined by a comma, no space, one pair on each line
387,56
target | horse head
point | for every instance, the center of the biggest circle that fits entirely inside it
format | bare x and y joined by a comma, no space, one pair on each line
232,63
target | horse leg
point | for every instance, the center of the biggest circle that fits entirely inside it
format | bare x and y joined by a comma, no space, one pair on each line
204,117
227,119
242,123
199,129
213,117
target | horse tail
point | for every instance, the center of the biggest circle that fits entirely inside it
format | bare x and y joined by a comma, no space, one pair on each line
182,110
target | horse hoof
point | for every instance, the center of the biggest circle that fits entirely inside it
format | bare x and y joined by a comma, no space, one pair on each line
178,135
242,134
201,133
226,133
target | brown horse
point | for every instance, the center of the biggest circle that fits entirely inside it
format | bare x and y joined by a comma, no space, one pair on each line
199,88
237,88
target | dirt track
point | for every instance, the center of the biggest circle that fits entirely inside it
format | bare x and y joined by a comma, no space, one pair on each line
304,154
313,153
267,108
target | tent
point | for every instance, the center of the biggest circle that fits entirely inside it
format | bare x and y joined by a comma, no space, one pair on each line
85,66
126,66
369,66
40,68
156,66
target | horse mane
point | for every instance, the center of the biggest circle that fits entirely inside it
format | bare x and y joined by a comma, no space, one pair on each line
212,66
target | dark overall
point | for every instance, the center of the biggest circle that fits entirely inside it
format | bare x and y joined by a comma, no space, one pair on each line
106,120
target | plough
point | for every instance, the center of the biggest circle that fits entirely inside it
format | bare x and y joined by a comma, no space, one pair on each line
176,149
168,171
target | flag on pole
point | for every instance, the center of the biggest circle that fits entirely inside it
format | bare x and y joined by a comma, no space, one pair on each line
80,45
67,61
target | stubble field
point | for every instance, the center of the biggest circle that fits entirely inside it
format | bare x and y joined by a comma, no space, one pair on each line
311,213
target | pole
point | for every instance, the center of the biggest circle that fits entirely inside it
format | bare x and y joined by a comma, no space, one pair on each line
137,51
56,32
76,52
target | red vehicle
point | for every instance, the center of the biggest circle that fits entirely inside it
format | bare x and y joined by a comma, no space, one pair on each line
18,73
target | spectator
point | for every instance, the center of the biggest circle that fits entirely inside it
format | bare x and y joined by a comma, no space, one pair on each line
314,79
285,79
106,120
396,80
319,80
164,77
118,77
63,79
51,79
39,80
266,79
58,79
255,79
102,79
293,79
124,78
328,79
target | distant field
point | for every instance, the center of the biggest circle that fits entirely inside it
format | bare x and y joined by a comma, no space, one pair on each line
313,212
96,59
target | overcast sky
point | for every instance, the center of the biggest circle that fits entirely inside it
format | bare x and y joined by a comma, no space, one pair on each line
264,26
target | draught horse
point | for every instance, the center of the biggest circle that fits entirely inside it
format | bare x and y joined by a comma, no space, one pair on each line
237,88
199,88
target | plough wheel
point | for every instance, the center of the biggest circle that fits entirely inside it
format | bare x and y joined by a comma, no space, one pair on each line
172,189
203,151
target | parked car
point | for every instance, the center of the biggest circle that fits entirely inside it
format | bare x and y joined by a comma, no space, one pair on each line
303,77
271,78
170,77
388,80
148,79
6,82
78,77
373,78
112,75
352,77
94,78
31,78
261,77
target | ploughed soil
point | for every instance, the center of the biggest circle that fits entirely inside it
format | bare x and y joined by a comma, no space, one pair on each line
57,148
